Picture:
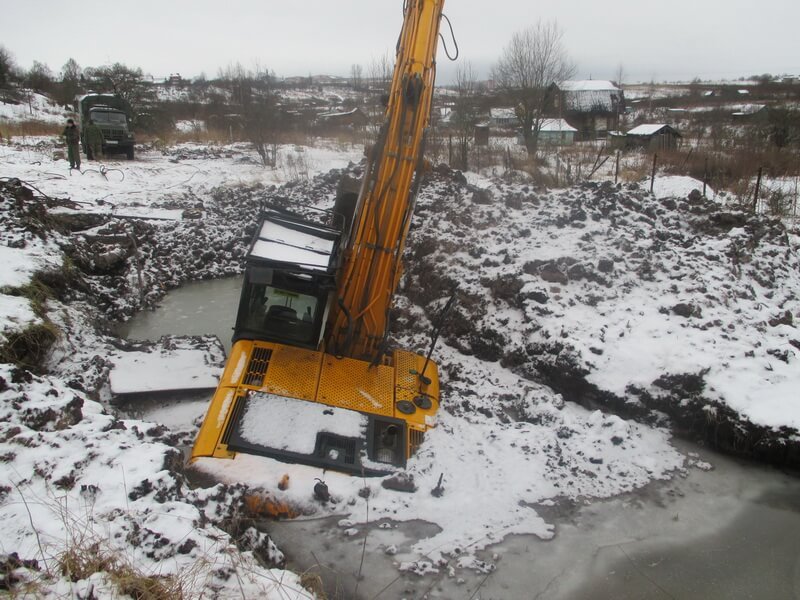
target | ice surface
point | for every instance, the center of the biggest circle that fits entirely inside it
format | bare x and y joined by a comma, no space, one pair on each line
162,370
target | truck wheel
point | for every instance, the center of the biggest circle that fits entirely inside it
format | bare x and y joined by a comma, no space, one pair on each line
129,153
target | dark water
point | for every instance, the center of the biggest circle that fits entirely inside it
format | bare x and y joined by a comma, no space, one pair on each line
732,532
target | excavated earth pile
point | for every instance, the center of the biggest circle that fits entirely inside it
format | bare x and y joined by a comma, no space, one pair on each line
674,309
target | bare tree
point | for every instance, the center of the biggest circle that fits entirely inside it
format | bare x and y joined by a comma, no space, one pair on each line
356,76
620,75
8,68
238,81
380,72
465,113
620,104
70,82
531,66
262,125
39,78
126,82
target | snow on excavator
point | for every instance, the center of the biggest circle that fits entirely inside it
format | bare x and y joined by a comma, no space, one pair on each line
309,379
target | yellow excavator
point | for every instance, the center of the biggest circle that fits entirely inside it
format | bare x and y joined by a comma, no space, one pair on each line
310,378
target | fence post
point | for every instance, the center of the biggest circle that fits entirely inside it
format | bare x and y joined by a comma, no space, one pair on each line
705,177
616,170
758,187
450,150
558,166
653,174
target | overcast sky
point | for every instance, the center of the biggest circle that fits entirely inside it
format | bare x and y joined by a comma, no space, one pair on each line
653,39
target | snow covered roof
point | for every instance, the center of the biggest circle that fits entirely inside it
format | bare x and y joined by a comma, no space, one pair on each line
332,115
588,85
589,95
502,113
556,125
748,109
649,129
289,241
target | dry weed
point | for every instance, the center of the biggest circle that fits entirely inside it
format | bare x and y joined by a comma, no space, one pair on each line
30,128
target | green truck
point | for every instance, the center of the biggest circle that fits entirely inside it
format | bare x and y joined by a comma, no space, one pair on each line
113,115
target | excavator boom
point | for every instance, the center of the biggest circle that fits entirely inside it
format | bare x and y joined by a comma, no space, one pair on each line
372,266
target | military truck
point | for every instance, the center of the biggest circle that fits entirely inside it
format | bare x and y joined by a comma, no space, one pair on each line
113,115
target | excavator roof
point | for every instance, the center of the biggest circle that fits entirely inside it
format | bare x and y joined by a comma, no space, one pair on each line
286,240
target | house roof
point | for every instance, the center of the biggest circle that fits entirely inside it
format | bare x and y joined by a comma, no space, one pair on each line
502,113
590,95
588,85
748,109
333,115
650,129
556,125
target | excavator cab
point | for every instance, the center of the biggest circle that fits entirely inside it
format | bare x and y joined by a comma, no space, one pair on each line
289,276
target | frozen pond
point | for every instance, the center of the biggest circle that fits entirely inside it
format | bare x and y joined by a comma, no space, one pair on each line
195,308
731,532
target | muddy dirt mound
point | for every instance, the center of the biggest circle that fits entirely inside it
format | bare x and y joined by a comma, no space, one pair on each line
616,299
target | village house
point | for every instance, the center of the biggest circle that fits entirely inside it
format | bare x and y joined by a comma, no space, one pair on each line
653,136
505,118
750,112
592,106
554,132
352,118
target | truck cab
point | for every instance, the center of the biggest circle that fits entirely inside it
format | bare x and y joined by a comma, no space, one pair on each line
112,114
117,135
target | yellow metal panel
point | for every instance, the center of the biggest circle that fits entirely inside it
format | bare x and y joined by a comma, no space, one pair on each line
237,362
208,442
406,362
408,385
293,372
353,384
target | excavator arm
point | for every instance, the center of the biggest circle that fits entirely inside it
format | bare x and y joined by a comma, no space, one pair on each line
372,259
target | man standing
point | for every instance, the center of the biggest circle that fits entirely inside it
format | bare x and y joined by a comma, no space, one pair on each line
94,140
73,138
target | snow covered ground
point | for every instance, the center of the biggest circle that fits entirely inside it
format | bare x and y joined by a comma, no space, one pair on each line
155,178
628,287
33,107
77,483
661,303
